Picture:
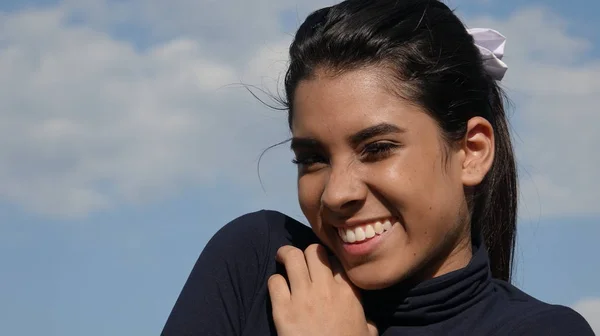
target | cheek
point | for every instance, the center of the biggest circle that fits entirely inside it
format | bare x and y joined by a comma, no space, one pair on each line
409,179
309,196
420,189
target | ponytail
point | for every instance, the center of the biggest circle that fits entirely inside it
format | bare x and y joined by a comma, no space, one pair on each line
494,212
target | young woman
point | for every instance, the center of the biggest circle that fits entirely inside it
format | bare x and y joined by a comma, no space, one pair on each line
407,177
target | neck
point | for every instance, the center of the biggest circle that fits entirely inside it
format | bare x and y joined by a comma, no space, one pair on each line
458,257
463,276
450,259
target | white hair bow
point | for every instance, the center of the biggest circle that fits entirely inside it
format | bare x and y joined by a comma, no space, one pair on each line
491,46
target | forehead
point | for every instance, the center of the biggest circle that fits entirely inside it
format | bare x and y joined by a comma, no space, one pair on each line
348,102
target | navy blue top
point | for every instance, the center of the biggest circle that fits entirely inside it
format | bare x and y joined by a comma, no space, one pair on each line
226,292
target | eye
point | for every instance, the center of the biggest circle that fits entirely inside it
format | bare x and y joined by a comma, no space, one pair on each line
378,150
309,160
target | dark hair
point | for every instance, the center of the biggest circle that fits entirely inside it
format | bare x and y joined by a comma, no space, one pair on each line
433,62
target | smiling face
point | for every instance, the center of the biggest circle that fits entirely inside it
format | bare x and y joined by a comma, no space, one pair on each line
377,183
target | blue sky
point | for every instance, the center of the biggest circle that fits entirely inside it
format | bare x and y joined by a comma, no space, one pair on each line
123,152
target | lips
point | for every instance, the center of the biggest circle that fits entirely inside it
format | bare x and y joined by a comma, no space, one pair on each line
360,233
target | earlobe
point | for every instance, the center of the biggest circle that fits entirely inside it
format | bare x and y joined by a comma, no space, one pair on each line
478,146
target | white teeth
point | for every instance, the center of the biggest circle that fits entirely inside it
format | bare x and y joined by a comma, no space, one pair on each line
350,236
369,231
378,228
387,225
361,233
342,234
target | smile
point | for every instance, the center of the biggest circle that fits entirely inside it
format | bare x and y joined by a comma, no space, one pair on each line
363,232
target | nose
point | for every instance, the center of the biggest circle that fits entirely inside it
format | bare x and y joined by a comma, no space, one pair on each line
344,191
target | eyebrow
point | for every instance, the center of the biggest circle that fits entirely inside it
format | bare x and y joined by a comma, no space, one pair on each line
304,143
373,131
354,139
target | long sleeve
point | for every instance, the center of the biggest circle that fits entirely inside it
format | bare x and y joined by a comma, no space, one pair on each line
223,284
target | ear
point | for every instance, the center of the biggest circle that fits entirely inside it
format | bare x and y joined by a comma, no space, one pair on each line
478,147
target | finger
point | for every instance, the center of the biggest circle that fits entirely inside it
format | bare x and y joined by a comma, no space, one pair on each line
295,266
372,328
318,264
278,290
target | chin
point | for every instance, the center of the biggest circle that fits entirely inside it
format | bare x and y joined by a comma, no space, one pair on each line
370,277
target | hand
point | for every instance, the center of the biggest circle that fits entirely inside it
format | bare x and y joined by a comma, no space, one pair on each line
319,301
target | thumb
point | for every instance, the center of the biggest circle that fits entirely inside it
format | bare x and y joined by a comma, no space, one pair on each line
372,328
337,269
339,275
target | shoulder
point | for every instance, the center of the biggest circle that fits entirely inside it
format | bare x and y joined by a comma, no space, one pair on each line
244,230
226,291
552,320
525,315
261,231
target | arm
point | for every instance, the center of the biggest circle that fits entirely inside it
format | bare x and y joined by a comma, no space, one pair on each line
555,321
223,283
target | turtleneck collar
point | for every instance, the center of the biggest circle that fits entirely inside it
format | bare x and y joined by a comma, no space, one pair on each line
432,300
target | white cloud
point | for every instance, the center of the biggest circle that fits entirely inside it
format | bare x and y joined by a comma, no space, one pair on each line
90,121
590,310
230,29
